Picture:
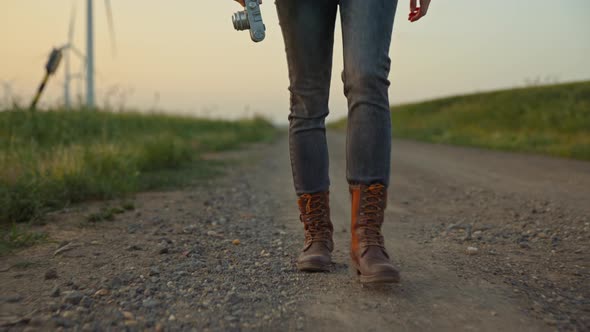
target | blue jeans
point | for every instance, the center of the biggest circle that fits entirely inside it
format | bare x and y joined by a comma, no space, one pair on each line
308,31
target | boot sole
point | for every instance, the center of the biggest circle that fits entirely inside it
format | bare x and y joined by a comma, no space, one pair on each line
311,267
377,278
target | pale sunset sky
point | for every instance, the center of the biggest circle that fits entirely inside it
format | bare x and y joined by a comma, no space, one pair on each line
184,56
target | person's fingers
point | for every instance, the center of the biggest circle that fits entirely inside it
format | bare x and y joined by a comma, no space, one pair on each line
413,6
416,15
424,4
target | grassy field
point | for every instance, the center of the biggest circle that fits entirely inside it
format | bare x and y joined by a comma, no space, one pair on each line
49,160
551,120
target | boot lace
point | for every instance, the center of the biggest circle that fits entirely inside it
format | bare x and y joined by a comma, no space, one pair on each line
371,215
315,219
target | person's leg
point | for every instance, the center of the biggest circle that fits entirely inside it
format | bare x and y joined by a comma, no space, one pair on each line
308,31
366,33
366,28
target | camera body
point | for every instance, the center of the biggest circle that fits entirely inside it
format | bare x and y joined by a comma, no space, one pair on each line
250,19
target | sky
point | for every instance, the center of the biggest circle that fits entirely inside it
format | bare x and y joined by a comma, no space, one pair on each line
183,56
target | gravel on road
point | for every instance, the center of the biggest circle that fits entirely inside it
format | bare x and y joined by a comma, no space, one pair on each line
484,243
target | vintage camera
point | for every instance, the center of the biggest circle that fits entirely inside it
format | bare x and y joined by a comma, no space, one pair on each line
250,18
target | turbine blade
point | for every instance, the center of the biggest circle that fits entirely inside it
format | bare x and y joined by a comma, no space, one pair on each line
72,26
77,52
109,11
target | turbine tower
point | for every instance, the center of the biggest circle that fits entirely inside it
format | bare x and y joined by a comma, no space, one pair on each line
90,92
89,55
67,71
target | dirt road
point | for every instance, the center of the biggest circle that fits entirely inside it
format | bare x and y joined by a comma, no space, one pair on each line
174,263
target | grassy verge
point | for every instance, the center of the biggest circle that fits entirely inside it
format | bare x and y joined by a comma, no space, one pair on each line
551,120
51,159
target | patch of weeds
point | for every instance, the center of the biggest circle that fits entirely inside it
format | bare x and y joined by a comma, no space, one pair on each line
23,265
128,206
19,236
107,214
191,174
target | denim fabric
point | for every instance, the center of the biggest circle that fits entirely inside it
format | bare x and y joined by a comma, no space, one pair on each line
308,31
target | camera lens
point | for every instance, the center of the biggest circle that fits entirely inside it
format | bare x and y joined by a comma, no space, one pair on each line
240,20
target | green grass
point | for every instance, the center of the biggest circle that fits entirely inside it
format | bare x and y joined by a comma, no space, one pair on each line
49,160
552,120
19,236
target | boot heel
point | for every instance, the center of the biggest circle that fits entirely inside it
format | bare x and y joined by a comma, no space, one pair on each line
353,270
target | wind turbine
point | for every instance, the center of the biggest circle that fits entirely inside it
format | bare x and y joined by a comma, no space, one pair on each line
57,54
90,93
69,47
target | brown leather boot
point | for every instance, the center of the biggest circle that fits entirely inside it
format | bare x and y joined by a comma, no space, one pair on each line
367,248
315,215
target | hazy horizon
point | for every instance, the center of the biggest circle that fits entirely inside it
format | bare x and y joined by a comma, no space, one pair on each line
186,57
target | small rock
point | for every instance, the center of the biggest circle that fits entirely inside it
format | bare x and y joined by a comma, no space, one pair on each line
133,247
14,298
116,282
189,229
236,242
163,251
73,298
87,302
159,327
62,322
154,271
72,285
38,320
542,235
151,303
493,313
299,324
55,292
128,315
50,274
130,323
172,318
214,234
102,292
68,314
550,321
471,251
524,245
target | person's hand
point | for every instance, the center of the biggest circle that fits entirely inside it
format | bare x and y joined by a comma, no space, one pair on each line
242,2
417,13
